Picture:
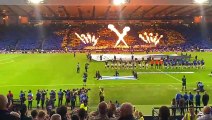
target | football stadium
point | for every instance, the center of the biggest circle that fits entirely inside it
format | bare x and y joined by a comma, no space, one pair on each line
105,59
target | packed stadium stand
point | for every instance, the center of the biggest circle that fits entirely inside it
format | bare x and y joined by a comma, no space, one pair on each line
51,37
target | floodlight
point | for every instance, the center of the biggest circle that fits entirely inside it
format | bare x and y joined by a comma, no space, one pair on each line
120,2
35,1
201,1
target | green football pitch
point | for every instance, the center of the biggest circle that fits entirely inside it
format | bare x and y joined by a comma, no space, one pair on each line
55,71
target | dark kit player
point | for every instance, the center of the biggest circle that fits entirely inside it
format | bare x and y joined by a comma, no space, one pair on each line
85,79
78,67
184,83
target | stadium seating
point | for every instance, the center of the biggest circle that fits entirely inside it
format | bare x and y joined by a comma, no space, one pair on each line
29,37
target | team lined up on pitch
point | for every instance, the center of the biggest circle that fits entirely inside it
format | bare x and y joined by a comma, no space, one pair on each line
157,64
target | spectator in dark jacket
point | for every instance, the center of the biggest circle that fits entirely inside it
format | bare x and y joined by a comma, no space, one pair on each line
23,112
62,112
4,113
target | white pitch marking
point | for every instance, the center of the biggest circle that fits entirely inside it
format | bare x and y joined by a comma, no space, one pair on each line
165,72
11,61
9,58
171,76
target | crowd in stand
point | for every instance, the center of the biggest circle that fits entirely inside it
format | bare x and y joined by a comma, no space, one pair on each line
105,111
50,37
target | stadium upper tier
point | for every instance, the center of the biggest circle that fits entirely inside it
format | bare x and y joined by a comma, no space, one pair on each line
99,36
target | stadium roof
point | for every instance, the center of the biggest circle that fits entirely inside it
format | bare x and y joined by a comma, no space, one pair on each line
105,10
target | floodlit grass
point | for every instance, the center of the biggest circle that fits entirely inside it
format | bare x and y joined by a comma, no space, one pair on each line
55,71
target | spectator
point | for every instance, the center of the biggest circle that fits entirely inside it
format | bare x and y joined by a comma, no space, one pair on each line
164,113
4,113
190,115
111,111
101,113
62,112
55,117
126,112
185,96
207,115
82,114
34,114
141,116
41,115
117,104
23,112
16,115
52,113
74,117
136,114
173,106
182,106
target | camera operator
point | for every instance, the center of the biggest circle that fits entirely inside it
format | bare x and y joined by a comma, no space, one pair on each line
38,98
60,97
22,97
52,97
43,97
30,99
